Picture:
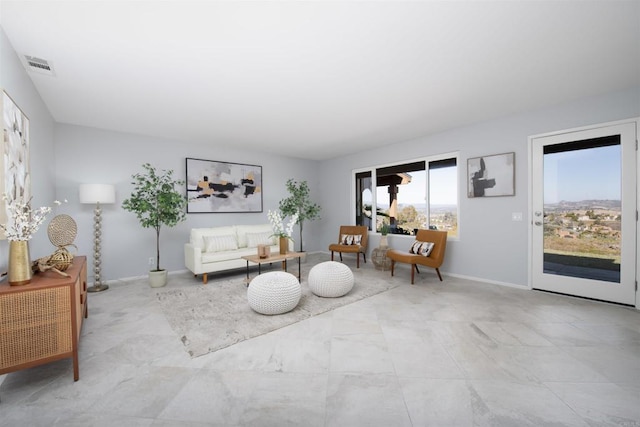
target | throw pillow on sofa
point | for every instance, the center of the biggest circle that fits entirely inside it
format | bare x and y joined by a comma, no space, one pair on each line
255,239
220,243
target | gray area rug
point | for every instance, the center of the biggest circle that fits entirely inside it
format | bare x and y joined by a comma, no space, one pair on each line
214,316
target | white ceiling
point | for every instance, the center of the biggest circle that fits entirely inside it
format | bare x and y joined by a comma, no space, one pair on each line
318,79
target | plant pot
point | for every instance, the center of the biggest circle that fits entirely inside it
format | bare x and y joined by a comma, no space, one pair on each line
383,242
19,263
157,278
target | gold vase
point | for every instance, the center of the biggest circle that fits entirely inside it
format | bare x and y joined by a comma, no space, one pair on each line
284,245
19,263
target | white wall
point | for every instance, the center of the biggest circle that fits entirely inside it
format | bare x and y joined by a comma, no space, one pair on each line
491,246
89,155
15,81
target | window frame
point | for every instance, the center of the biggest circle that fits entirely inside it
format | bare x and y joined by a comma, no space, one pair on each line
427,159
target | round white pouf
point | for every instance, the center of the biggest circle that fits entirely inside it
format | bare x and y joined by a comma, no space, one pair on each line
275,292
330,279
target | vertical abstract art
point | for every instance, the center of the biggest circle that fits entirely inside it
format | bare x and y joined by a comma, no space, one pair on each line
491,176
14,168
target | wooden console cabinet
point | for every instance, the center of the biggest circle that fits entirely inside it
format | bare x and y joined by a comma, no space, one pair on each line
40,322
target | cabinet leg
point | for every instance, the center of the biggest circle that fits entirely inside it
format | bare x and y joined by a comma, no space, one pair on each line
76,368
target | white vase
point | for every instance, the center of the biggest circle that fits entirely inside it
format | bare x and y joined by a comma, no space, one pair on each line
383,242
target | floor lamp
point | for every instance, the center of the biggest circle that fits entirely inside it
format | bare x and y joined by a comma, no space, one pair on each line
97,194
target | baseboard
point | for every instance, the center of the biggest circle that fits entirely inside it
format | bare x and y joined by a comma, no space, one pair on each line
489,281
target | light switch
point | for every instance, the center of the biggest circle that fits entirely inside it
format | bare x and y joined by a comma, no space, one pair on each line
516,216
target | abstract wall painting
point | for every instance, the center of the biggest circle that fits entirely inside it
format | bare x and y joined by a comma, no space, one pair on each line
15,176
223,187
491,176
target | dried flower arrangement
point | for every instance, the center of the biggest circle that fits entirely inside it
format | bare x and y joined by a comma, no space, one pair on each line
22,221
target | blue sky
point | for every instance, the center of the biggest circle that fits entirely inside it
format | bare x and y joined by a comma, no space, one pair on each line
591,174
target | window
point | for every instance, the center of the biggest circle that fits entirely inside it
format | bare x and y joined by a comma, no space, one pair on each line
443,195
409,196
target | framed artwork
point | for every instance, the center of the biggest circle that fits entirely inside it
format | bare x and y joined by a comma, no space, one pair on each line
15,176
491,176
222,187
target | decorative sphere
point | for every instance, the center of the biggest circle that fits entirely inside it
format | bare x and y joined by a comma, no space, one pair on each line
96,270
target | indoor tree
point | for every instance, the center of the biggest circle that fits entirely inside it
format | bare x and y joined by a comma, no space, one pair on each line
156,201
299,201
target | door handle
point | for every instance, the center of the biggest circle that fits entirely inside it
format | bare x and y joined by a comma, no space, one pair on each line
538,223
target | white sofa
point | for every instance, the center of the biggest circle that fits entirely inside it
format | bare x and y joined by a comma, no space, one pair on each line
220,248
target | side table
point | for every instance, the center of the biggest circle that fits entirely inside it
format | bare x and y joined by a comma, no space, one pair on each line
379,258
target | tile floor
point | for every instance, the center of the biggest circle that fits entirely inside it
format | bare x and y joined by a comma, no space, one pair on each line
456,353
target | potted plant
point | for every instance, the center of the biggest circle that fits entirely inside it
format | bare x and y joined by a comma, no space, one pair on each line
384,230
280,231
156,202
299,202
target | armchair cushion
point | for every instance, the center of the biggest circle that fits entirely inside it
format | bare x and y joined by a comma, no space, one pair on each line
350,239
421,248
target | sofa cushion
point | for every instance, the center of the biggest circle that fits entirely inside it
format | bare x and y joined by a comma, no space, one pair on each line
212,258
242,231
220,243
263,238
197,234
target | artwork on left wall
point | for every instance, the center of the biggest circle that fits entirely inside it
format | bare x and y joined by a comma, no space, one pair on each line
15,177
215,187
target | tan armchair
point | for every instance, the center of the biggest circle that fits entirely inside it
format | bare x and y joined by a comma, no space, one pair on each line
435,258
352,247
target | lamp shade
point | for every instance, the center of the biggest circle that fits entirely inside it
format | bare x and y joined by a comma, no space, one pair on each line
97,193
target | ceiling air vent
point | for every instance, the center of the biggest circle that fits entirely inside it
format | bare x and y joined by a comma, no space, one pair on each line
38,65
